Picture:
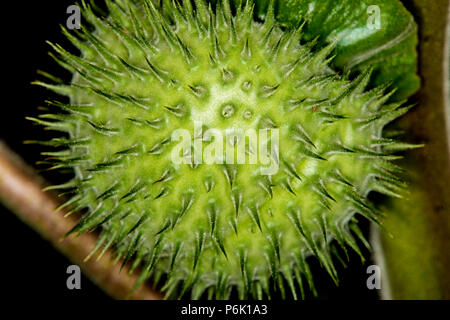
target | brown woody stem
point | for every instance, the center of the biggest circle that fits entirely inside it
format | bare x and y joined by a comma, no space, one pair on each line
21,191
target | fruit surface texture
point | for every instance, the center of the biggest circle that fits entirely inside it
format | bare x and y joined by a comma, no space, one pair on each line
215,151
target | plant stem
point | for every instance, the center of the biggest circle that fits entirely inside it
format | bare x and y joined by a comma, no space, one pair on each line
21,191
416,253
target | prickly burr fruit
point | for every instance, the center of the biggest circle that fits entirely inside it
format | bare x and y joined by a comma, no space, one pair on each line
215,151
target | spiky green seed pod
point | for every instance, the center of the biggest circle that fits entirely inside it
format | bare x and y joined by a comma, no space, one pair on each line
146,73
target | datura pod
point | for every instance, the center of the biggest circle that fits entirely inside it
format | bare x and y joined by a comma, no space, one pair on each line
215,151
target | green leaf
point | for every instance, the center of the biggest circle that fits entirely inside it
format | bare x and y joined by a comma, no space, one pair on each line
390,49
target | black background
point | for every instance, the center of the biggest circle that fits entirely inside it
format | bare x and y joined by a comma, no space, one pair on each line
30,267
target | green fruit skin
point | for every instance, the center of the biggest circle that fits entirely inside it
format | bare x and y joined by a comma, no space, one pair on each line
215,228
